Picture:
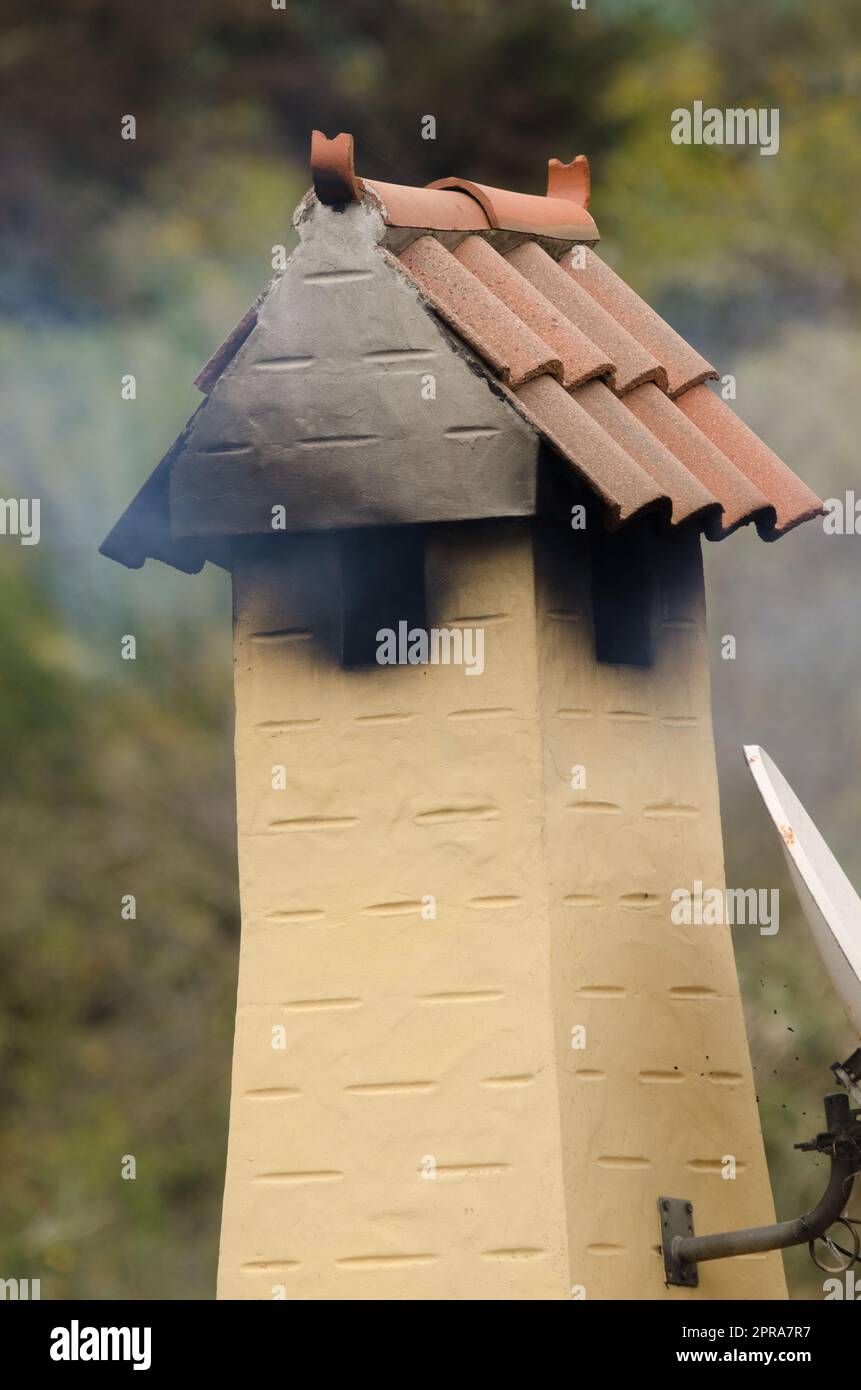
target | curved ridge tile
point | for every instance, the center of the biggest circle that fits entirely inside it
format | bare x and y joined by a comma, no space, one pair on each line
684,365
488,325
740,499
791,498
430,208
632,363
688,496
620,482
581,359
527,212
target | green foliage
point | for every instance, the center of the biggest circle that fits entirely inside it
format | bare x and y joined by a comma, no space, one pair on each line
138,257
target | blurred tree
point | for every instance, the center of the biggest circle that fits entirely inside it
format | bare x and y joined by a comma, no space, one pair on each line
510,86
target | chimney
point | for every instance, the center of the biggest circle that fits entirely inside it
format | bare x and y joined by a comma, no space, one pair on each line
459,473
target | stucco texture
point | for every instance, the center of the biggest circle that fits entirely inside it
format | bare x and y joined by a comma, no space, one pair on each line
428,1131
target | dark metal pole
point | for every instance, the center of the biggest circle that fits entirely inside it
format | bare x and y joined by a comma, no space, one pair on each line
693,1249
682,1250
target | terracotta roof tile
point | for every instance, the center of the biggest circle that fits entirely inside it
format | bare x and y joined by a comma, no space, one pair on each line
740,499
610,471
526,212
427,208
684,365
572,181
536,321
488,325
688,495
580,357
792,500
333,170
632,363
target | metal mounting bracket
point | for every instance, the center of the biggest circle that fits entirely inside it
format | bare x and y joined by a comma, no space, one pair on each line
683,1251
677,1221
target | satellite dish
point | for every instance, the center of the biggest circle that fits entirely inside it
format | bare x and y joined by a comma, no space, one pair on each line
833,912
830,903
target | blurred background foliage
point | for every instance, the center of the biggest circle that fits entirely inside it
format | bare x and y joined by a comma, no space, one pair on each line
123,256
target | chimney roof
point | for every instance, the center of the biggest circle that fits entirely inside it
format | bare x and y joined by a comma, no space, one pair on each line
595,372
